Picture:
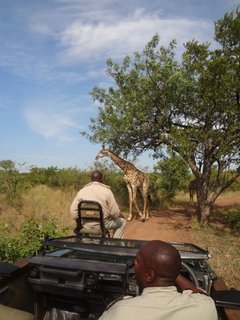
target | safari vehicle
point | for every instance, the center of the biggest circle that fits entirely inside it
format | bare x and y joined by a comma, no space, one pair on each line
76,277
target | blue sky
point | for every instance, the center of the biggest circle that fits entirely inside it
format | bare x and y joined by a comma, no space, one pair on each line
53,52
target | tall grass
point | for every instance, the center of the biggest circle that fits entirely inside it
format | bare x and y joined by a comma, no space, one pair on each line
224,245
222,237
45,204
42,203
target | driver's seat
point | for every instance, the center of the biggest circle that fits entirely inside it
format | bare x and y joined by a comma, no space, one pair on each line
90,212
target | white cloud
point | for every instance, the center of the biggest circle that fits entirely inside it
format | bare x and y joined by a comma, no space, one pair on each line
82,41
60,33
47,124
57,120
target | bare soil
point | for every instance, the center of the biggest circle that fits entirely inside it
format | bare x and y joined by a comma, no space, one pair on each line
171,225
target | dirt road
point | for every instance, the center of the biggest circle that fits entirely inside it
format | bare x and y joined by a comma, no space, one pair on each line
171,225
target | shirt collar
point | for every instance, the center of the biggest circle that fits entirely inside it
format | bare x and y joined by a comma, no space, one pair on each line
159,289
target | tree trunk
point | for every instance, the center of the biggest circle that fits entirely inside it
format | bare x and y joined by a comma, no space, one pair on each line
204,205
207,196
203,213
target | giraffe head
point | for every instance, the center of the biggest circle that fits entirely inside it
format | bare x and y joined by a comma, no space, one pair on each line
101,154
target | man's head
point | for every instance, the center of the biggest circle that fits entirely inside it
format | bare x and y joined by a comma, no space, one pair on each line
96,176
157,264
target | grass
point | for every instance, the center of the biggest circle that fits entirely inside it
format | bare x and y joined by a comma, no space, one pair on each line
228,198
46,204
225,248
221,237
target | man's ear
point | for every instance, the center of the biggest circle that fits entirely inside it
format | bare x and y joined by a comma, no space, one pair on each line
150,276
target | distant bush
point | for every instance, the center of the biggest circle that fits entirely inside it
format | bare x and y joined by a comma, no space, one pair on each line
58,178
232,217
170,175
12,183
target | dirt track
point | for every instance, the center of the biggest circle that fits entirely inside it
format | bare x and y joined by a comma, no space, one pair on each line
172,225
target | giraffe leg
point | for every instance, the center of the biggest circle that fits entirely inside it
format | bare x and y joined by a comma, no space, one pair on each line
130,194
144,192
145,209
130,211
134,200
191,196
192,190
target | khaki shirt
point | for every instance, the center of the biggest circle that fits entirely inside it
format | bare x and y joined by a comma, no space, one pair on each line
101,193
163,304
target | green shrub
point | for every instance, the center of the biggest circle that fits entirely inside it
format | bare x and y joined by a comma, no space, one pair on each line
232,217
28,241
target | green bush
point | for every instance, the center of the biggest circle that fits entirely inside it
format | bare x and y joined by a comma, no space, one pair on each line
232,217
28,241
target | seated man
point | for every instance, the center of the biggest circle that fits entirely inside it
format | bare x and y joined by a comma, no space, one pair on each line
157,269
97,191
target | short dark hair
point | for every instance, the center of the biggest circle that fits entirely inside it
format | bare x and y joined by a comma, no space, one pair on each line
96,176
161,257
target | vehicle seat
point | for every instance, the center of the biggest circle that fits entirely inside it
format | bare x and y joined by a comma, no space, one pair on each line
90,212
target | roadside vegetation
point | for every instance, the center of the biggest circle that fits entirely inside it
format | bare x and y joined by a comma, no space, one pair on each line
224,244
222,236
39,207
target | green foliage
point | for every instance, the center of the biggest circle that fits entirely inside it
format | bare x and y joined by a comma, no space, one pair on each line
232,217
226,175
190,107
53,177
235,186
58,178
12,183
173,175
28,240
119,188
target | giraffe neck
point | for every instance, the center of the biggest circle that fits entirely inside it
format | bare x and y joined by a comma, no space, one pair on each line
121,163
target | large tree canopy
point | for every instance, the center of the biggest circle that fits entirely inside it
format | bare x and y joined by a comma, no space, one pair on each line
190,106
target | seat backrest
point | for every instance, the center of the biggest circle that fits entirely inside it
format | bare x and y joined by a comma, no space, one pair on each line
90,211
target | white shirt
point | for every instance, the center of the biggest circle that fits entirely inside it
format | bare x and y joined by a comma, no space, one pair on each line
163,303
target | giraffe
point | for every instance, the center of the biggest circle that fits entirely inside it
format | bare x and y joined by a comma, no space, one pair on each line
135,180
192,189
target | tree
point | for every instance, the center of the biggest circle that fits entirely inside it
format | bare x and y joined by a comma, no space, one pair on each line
12,182
173,175
190,107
